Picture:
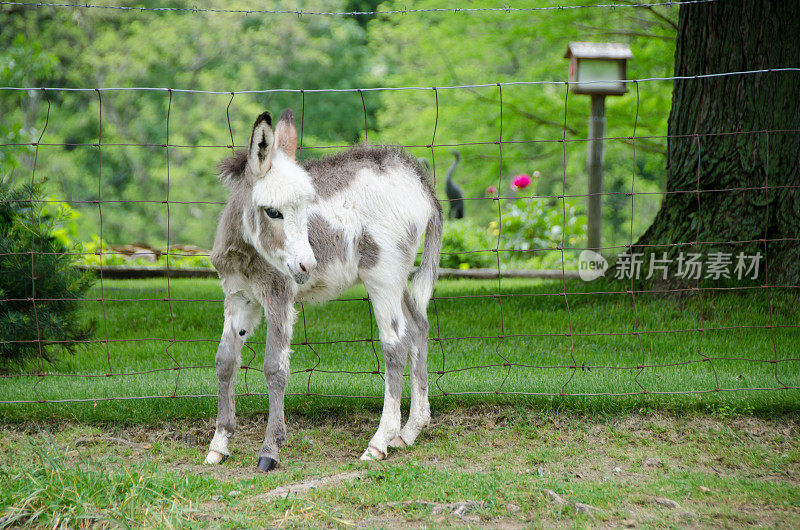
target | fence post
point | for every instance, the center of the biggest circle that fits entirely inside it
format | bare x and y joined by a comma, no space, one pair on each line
594,207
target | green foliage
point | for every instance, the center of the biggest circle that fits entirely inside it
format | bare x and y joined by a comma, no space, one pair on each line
48,276
466,245
531,229
115,139
56,492
446,49
535,227
22,61
96,253
536,224
201,51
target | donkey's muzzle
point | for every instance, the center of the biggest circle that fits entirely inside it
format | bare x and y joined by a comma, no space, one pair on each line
301,269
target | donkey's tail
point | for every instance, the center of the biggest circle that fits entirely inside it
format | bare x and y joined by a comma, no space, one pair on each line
425,278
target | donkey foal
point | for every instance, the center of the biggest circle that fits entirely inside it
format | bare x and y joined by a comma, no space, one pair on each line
305,233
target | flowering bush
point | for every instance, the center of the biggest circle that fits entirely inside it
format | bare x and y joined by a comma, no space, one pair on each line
531,224
460,239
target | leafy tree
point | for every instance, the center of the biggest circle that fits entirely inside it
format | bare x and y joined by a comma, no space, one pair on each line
732,136
183,50
445,49
363,6
120,157
22,61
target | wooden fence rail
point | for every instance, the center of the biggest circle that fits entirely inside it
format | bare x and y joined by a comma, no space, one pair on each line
132,273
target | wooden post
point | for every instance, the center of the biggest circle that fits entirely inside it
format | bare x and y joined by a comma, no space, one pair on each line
594,202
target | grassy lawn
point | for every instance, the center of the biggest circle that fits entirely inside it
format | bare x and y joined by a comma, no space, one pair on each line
664,458
534,355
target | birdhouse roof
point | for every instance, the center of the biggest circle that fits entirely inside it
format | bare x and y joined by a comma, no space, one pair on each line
598,50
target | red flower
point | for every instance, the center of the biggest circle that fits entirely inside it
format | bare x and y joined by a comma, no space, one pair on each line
521,182
491,190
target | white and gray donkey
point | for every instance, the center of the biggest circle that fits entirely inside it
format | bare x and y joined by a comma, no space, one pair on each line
305,233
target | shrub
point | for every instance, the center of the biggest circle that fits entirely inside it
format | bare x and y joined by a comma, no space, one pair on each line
460,239
533,224
26,226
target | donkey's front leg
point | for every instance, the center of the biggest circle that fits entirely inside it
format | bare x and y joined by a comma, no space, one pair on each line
280,320
241,318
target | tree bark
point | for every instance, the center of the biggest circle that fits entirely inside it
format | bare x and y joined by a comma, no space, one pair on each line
733,160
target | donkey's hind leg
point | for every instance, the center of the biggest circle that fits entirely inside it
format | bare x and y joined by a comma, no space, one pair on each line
395,342
420,415
241,318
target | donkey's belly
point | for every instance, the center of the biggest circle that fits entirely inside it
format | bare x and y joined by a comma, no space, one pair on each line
327,283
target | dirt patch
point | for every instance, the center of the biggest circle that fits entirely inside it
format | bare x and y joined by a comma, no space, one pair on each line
497,429
608,470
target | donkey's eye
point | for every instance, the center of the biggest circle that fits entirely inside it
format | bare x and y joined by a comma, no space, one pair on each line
272,213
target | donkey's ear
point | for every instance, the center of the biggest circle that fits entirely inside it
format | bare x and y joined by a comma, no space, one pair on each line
286,134
262,139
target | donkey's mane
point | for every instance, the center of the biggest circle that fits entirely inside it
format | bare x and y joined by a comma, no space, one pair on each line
232,167
381,156
331,173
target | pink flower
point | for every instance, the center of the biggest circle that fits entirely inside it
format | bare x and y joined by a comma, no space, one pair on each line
521,182
491,190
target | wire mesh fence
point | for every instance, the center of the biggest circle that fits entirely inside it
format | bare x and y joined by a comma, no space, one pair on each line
637,351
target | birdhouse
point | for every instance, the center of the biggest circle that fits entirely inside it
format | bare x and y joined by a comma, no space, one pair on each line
598,68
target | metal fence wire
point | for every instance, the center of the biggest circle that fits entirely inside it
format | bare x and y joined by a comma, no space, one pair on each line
505,350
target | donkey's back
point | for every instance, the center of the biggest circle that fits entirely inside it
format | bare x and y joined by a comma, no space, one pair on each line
373,205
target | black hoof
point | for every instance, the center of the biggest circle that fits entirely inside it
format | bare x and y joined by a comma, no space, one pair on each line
266,464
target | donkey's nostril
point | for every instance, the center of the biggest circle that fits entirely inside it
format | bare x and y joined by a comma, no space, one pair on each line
303,268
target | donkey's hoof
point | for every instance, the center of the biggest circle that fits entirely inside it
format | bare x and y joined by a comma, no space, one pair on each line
266,464
373,454
398,442
213,458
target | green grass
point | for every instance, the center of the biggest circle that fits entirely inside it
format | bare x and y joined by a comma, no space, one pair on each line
531,315
49,489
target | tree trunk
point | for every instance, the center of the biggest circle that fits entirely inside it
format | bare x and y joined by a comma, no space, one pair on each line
733,161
